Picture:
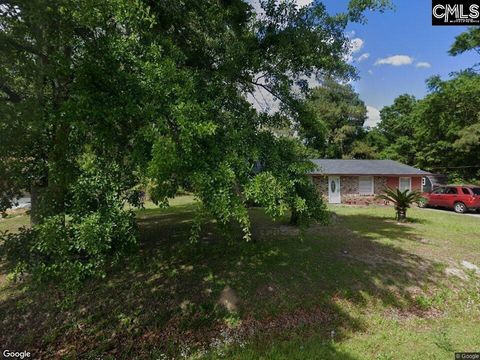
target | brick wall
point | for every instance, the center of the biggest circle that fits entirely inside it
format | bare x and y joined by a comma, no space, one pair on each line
379,183
349,189
350,195
349,185
321,183
417,183
392,182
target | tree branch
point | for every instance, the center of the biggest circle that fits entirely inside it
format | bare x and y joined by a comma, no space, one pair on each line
20,46
270,91
12,96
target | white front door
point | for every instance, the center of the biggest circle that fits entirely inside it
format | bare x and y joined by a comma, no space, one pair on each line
334,190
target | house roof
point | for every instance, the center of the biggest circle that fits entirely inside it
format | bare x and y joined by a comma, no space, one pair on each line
364,167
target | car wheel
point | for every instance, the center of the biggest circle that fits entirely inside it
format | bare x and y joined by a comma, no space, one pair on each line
460,208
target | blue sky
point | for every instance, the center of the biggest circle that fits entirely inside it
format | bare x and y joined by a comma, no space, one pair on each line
401,36
403,49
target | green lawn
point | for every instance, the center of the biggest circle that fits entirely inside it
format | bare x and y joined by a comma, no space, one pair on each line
363,287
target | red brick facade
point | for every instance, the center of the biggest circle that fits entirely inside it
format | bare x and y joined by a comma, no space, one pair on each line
349,188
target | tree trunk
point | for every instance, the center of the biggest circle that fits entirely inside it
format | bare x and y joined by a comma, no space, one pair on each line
294,217
401,215
34,201
44,201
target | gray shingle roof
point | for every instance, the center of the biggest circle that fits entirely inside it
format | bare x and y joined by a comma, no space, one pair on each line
364,167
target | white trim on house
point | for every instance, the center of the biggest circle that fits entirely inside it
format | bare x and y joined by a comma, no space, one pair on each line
400,178
365,185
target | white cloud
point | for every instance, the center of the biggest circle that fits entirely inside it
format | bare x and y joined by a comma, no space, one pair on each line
258,8
373,116
423,64
356,45
364,56
395,60
370,72
303,2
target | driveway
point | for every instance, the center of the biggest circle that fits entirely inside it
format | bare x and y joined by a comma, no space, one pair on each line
23,203
477,215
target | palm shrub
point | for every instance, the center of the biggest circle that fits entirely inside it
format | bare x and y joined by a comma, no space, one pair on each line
401,201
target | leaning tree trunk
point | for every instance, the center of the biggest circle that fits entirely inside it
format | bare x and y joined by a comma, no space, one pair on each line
48,198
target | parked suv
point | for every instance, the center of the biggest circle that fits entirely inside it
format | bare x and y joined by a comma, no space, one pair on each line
460,198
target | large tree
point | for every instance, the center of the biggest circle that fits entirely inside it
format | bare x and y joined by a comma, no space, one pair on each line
467,41
398,122
439,132
98,96
333,119
74,111
448,121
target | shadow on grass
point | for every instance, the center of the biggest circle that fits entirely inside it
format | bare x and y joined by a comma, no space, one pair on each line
380,227
216,294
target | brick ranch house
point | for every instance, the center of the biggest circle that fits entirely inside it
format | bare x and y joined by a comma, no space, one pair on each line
360,181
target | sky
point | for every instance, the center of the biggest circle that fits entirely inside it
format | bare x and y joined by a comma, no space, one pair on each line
396,51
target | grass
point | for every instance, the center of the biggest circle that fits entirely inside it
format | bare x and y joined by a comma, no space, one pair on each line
13,221
363,287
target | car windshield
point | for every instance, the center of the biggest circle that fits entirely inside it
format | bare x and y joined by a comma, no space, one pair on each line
476,191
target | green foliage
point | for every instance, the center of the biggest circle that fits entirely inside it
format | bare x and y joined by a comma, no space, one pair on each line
97,232
438,133
334,119
357,8
444,117
69,253
362,150
398,120
401,200
101,97
269,193
298,191
397,125
466,41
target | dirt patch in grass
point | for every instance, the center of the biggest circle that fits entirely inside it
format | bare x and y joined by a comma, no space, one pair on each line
412,312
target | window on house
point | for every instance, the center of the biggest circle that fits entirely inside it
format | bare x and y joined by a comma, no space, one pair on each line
405,183
365,185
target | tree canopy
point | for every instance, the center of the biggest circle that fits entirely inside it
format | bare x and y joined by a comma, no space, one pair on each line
440,132
466,41
333,119
101,98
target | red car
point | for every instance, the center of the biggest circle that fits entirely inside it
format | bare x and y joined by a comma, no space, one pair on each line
460,198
